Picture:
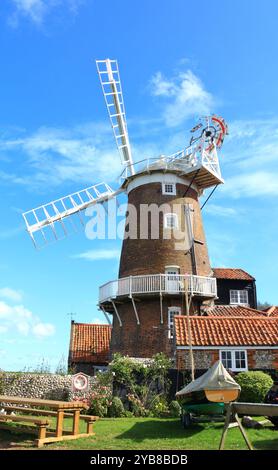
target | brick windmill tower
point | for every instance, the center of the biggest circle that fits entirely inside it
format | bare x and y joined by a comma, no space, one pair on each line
164,260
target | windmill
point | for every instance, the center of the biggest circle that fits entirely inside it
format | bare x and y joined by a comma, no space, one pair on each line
154,272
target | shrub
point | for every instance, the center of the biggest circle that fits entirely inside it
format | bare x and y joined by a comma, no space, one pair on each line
175,409
116,409
159,406
254,386
137,407
99,400
140,381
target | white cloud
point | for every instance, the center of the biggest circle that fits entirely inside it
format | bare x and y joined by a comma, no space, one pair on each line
250,159
10,294
95,255
252,184
55,156
43,329
37,10
186,96
19,318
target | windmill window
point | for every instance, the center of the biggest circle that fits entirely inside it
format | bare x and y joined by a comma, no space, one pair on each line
172,311
235,360
239,297
171,221
169,188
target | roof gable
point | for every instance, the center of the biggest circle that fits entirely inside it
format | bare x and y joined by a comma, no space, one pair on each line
232,273
90,343
272,311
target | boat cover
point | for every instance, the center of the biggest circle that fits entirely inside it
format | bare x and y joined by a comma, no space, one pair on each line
216,378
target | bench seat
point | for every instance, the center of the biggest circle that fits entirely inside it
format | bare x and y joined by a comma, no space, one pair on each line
40,423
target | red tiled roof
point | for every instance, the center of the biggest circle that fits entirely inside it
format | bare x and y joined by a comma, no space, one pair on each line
227,331
232,273
272,311
232,311
90,343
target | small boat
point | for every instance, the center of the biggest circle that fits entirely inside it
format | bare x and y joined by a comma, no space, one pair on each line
206,396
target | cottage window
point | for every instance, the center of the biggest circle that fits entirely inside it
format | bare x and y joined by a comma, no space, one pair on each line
169,188
239,297
235,360
172,311
171,221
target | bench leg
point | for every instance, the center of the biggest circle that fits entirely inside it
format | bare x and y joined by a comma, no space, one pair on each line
75,427
90,427
59,425
41,434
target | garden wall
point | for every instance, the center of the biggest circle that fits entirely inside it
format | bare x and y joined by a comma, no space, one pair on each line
46,386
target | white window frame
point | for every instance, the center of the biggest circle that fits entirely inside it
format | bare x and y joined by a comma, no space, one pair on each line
165,189
174,217
171,312
233,358
238,294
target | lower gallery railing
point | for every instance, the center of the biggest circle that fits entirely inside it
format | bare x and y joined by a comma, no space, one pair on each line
158,283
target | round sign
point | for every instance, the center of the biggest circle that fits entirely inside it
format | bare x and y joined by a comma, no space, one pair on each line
80,382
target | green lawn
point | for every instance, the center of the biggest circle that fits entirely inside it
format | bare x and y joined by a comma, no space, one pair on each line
154,433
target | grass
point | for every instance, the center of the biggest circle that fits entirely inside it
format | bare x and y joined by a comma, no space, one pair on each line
155,433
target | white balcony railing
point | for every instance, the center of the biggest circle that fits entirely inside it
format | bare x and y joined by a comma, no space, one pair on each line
158,283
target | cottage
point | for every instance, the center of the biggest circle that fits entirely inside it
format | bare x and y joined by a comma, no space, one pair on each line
241,342
89,347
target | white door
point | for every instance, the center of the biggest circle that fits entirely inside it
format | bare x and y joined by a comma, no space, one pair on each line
172,283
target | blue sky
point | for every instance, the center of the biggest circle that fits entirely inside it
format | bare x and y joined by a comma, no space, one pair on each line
178,60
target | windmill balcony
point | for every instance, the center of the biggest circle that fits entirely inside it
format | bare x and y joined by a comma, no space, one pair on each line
165,284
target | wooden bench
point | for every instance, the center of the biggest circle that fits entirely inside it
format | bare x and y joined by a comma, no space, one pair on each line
90,420
45,407
40,424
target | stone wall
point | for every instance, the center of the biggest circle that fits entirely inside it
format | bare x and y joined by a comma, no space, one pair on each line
264,359
202,359
260,359
46,386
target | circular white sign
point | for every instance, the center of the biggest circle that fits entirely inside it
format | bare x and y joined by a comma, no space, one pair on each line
80,382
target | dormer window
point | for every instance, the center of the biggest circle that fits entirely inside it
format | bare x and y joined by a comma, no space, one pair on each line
238,297
169,188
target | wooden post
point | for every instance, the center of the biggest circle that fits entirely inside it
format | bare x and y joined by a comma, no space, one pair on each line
75,427
60,421
189,331
229,423
226,427
248,443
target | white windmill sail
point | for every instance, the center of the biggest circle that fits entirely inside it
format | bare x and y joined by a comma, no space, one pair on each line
50,219
109,76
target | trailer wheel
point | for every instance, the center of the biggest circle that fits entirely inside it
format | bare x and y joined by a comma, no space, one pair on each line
186,420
